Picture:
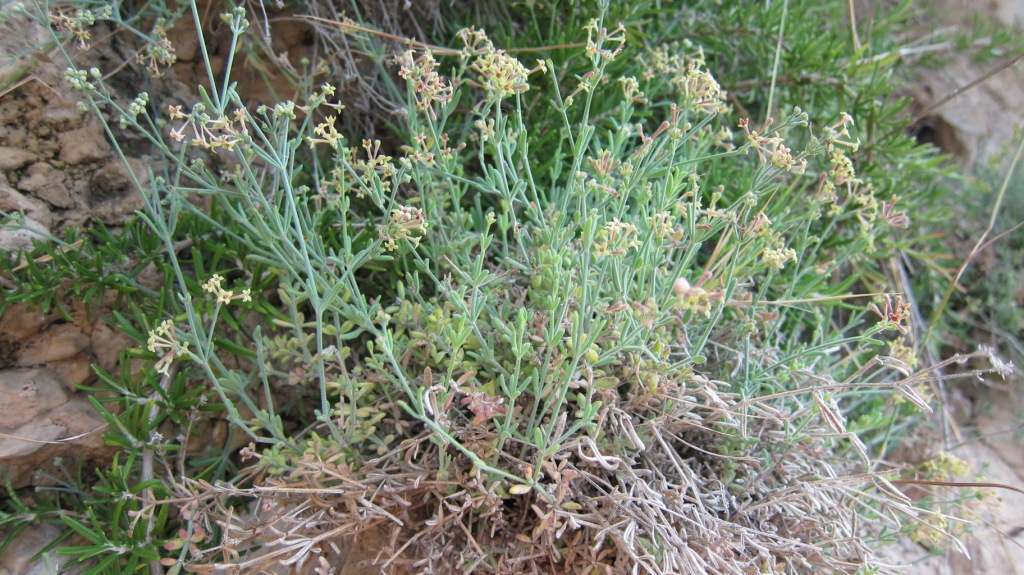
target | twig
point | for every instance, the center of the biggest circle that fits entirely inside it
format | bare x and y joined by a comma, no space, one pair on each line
956,92
981,243
434,49
775,62
957,484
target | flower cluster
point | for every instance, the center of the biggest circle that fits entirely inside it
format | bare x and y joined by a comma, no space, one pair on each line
835,133
903,353
776,254
662,226
76,23
870,210
772,148
138,106
159,52
475,42
207,132
377,167
777,257
631,90
79,79
616,238
595,47
164,340
841,173
688,75
483,405
374,175
500,74
893,314
406,223
892,217
604,164
327,133
428,86
213,285
421,154
486,129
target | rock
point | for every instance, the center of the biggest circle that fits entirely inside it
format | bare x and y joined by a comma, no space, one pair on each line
13,158
84,145
29,448
60,342
112,193
288,34
217,64
12,201
52,563
60,115
79,418
992,550
47,184
185,40
27,394
152,278
41,422
15,136
998,414
18,238
74,371
20,321
107,345
18,558
111,182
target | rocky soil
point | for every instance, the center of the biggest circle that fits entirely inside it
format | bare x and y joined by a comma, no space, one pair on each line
57,166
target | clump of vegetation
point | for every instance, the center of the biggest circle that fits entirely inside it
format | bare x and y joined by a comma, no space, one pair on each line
592,314
991,310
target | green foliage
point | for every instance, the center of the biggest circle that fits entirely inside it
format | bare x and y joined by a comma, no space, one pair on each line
594,295
81,267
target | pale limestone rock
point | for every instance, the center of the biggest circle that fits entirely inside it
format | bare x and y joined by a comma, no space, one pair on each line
27,393
60,342
18,238
13,201
20,321
113,195
75,370
14,158
107,344
60,115
46,183
17,560
84,145
40,421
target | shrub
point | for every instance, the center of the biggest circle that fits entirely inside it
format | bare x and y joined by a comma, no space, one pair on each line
596,321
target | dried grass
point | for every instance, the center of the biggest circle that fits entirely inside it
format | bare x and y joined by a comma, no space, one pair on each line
352,64
693,496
